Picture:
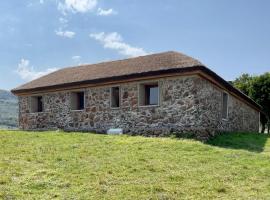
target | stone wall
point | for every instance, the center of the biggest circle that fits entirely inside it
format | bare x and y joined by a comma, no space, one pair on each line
188,104
241,117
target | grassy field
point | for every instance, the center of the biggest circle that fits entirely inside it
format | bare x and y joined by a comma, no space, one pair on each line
53,165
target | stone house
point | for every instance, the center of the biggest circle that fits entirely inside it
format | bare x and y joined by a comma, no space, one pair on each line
157,94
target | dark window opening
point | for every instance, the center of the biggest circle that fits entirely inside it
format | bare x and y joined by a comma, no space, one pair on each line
40,104
77,101
225,105
149,94
37,104
115,97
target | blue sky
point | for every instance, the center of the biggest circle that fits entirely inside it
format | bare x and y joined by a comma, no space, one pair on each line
39,36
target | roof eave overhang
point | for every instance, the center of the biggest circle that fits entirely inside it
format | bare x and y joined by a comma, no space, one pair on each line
108,79
200,69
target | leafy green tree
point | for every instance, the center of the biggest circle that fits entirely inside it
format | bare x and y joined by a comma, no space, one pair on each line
258,88
260,92
243,83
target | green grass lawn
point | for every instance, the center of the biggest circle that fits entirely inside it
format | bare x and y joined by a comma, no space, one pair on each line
53,165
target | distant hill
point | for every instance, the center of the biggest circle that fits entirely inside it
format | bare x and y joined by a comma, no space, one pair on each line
8,110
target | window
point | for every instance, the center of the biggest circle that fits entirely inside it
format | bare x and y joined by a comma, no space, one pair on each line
77,100
115,97
36,104
224,105
149,94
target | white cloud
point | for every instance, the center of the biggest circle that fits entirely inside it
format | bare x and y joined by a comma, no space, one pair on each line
35,3
108,12
63,20
63,24
26,72
68,34
76,59
76,6
115,41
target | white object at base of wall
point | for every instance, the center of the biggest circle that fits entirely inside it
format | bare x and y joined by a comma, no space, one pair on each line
115,131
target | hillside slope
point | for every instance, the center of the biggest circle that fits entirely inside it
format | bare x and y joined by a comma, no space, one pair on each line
8,110
57,165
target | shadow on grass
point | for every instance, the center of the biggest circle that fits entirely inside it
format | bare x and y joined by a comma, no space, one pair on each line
254,142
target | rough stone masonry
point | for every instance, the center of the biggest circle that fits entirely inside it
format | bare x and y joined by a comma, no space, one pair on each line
187,105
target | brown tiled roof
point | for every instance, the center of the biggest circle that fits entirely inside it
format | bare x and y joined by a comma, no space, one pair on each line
138,65
143,66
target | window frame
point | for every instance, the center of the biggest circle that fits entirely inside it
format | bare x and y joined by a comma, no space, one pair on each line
227,108
76,92
36,97
141,86
120,96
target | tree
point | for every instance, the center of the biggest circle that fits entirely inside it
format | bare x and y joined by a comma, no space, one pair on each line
260,92
243,83
258,88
